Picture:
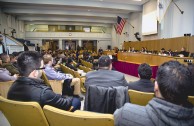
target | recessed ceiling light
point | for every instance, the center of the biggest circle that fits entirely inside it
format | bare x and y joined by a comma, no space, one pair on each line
89,10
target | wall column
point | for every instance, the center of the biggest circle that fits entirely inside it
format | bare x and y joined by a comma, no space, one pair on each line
60,44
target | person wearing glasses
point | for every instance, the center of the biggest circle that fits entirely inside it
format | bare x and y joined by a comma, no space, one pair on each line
29,86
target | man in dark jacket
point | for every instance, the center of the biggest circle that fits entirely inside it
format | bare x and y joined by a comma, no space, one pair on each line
144,84
29,87
169,108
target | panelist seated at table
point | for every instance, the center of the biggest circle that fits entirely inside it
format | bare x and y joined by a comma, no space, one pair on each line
163,52
144,84
183,52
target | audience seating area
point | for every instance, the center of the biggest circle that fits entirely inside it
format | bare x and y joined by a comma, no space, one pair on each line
87,64
23,113
31,114
57,117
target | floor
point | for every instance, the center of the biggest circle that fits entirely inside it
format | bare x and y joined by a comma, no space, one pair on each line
4,122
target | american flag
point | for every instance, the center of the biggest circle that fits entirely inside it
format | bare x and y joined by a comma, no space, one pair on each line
120,24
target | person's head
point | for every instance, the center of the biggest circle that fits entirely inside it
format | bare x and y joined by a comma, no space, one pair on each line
5,58
183,49
12,58
162,49
105,62
145,71
173,82
48,59
30,64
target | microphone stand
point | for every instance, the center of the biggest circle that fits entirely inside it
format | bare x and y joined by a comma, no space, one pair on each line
131,25
178,7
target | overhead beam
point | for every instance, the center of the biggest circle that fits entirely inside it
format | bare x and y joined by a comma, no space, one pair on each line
67,23
26,18
62,12
81,3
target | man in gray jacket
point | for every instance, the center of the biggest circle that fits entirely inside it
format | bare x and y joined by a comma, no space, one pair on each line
169,108
105,76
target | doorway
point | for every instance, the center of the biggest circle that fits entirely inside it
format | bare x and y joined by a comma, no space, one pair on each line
90,45
69,44
52,44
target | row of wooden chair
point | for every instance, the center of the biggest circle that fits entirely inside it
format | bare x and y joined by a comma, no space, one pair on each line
65,69
31,114
87,64
136,97
142,98
84,68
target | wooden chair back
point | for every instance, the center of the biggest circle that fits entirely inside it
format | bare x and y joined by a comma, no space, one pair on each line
58,117
23,113
4,88
140,98
191,99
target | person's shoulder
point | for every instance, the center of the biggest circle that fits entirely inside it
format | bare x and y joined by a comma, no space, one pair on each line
91,73
129,109
117,73
134,82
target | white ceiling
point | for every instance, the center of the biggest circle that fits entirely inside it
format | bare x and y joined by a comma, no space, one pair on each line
85,11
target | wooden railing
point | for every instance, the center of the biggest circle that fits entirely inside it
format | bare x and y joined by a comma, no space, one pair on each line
171,43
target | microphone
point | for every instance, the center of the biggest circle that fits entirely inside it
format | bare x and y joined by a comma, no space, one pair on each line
178,7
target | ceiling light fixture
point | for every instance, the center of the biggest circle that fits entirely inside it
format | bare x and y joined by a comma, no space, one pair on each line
88,10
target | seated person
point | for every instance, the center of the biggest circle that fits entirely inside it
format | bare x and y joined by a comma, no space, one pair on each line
144,84
52,74
70,64
29,87
162,52
100,51
133,49
104,76
183,52
170,106
5,75
7,64
142,49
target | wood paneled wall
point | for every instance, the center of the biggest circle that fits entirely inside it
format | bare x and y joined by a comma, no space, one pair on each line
171,43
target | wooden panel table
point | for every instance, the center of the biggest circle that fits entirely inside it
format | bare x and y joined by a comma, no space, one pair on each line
128,63
150,59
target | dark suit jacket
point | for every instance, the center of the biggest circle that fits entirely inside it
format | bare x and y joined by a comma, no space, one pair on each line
105,99
186,54
107,78
142,85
